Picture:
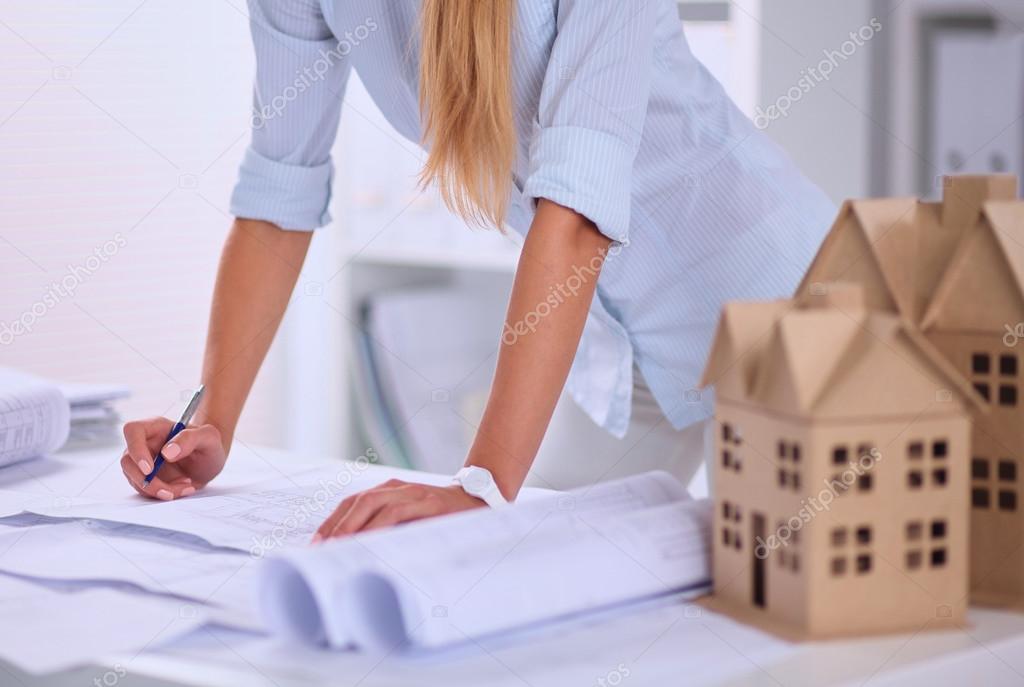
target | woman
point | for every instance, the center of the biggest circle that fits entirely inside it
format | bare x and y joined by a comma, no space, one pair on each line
587,126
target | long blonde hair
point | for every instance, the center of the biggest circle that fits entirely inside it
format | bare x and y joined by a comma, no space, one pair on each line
466,104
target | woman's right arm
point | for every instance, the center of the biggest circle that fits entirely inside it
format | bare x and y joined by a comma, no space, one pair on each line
258,269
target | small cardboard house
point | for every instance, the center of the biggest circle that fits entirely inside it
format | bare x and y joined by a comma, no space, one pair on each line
954,270
841,469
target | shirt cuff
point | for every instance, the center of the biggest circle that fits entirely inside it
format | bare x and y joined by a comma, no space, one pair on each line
587,171
290,196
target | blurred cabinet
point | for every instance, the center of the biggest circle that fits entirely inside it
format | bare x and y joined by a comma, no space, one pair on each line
951,92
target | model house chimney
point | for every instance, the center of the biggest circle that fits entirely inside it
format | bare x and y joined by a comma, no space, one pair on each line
964,195
847,296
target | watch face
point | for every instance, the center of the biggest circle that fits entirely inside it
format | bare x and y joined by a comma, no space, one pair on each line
476,482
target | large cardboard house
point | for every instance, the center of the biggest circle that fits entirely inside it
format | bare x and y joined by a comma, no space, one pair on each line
955,271
841,469
893,373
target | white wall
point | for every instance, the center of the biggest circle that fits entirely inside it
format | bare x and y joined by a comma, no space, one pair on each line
121,127
828,129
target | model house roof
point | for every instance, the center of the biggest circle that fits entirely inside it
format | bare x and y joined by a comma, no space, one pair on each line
983,287
829,356
906,252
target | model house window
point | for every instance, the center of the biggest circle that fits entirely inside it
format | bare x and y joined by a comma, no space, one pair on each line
995,378
927,463
926,544
788,474
994,484
981,370
850,550
1007,379
731,439
853,475
731,517
788,556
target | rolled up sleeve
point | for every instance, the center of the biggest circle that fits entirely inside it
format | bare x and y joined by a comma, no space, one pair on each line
592,110
286,174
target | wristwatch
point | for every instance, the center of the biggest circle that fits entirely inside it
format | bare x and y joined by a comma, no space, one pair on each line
477,481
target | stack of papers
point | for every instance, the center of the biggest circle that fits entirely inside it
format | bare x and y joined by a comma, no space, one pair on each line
38,417
34,417
93,415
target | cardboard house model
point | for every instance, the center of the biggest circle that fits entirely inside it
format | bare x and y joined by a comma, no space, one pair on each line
841,470
869,437
955,271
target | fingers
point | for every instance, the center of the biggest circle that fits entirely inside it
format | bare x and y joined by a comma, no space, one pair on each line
135,437
188,440
357,509
163,489
354,511
397,513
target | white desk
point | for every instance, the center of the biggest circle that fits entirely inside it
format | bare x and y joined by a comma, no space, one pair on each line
663,643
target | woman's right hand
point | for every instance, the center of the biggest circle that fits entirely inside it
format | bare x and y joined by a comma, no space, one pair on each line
191,459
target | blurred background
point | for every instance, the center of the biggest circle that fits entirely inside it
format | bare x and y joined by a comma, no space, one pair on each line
122,124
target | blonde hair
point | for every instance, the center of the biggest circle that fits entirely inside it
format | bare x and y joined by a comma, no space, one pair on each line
466,104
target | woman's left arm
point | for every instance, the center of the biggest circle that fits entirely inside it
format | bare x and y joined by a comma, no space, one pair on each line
554,286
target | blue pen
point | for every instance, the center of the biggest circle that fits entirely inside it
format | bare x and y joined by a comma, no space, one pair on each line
181,424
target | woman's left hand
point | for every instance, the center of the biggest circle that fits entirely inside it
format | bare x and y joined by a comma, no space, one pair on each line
392,503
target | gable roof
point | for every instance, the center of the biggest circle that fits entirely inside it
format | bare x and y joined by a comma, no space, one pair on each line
810,360
865,245
743,331
1002,224
902,249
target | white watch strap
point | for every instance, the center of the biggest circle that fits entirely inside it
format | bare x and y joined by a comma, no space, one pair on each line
479,482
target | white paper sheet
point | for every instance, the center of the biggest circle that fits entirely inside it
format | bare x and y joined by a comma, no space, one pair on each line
92,624
83,551
256,522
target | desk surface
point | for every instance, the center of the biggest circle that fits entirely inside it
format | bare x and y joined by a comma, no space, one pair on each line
667,642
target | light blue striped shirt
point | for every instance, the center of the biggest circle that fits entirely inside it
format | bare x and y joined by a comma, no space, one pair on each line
616,119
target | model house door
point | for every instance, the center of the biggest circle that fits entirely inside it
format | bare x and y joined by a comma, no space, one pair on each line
758,563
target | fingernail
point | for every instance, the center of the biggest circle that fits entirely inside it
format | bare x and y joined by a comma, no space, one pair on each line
171,451
164,495
186,480
145,466
316,539
188,491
